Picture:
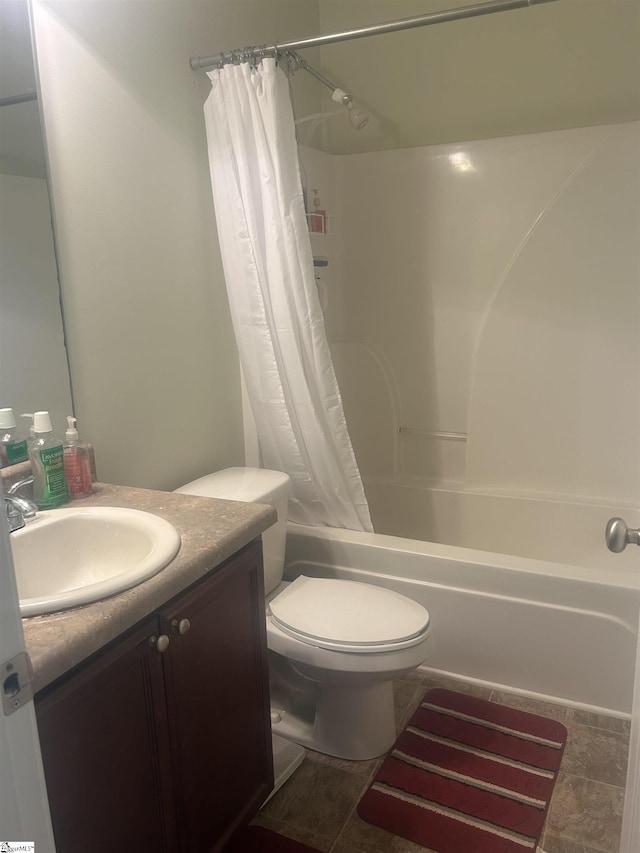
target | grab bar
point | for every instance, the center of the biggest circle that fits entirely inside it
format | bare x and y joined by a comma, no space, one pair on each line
434,433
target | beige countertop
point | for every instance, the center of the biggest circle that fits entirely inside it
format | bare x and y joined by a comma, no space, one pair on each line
210,530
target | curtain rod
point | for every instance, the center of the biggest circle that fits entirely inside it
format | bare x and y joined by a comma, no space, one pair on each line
198,62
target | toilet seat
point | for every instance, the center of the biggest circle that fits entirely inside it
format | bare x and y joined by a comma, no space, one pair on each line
347,616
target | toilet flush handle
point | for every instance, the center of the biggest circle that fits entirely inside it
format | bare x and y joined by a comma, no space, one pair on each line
618,535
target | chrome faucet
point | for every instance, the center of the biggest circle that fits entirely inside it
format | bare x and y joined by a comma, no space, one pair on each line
19,511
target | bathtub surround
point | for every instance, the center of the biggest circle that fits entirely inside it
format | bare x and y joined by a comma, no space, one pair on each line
473,313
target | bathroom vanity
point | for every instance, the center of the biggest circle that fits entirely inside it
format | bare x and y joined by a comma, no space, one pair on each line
153,705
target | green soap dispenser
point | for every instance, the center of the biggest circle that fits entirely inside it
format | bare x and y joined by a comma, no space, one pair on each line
47,465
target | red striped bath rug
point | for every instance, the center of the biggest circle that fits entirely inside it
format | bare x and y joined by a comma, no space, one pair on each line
468,776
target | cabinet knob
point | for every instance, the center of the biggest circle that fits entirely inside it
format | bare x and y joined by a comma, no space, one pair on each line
161,643
181,626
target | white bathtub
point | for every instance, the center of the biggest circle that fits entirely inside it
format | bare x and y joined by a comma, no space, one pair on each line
548,629
556,531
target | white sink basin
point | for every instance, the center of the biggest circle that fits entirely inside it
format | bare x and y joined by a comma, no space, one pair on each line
67,557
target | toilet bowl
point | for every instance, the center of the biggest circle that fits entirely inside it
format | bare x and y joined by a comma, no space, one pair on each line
335,646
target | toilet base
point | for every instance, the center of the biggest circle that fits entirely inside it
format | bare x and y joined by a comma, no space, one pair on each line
355,722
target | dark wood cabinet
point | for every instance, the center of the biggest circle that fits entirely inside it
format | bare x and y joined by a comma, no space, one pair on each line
162,742
218,703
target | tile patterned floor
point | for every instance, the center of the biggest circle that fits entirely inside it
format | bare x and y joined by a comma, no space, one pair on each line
317,806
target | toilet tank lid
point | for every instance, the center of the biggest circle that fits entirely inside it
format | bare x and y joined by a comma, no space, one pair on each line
240,484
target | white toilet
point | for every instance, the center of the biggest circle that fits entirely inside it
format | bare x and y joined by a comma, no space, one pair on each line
335,646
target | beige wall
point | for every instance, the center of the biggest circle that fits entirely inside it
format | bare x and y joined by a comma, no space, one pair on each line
571,63
153,360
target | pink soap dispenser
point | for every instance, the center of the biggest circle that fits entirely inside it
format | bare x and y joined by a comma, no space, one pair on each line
77,463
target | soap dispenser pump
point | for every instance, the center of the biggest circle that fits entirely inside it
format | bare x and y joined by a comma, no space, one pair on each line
77,463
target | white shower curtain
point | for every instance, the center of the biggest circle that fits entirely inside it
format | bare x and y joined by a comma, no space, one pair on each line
275,309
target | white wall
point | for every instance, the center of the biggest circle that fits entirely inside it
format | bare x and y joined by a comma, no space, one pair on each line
491,289
153,361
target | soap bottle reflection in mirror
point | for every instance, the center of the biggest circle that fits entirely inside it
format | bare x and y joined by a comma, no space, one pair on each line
13,448
77,463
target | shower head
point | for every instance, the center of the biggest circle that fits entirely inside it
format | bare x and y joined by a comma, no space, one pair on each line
357,118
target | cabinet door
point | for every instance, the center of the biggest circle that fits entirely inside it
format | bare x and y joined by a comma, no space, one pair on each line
105,749
218,697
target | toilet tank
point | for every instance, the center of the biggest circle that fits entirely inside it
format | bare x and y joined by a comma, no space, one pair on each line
253,485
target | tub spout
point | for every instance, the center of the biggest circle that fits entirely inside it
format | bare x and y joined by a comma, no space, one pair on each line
618,535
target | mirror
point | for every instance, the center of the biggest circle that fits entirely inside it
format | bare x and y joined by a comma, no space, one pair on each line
34,371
